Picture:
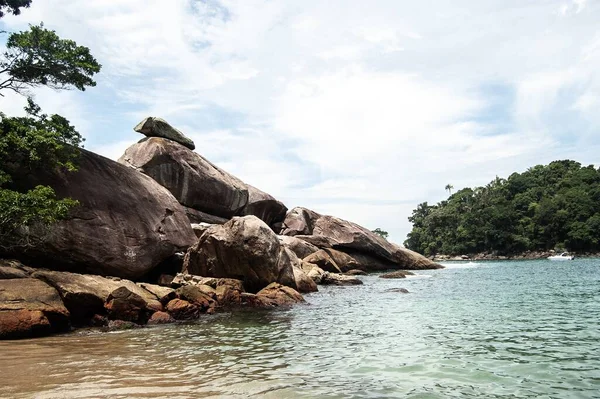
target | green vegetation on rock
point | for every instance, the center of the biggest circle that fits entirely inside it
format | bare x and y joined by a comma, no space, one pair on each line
546,207
381,233
37,57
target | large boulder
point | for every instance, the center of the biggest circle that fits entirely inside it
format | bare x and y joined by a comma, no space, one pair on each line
125,224
303,282
300,247
322,259
244,248
157,127
194,181
30,307
264,206
197,216
122,304
86,295
350,237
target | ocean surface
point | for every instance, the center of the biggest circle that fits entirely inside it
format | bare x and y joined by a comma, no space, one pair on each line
496,329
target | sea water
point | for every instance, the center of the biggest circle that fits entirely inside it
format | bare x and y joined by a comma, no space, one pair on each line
522,329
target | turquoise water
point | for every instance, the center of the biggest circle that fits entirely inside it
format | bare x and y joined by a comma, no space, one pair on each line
523,329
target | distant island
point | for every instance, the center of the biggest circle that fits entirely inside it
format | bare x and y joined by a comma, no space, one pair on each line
547,207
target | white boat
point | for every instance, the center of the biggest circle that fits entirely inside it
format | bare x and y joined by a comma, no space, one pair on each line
563,256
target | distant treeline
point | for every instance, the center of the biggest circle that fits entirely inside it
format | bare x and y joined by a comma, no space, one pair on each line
547,207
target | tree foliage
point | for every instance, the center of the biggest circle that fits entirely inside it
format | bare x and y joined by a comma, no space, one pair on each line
546,207
36,142
13,6
381,233
39,57
27,145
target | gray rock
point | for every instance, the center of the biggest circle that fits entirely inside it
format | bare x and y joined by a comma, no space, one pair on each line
264,207
85,295
195,182
157,127
244,248
301,248
125,224
350,237
199,217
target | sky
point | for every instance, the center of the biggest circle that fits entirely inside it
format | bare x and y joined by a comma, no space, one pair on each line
356,109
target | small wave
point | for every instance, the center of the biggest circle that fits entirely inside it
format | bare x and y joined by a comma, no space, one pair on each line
419,276
457,265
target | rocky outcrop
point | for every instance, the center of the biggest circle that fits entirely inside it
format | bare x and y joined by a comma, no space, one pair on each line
303,283
125,223
322,277
157,127
396,274
122,304
264,206
203,299
194,181
301,248
29,308
279,295
339,279
86,295
322,259
196,216
351,238
200,228
244,248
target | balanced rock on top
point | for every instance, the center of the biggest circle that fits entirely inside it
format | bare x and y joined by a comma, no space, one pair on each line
157,127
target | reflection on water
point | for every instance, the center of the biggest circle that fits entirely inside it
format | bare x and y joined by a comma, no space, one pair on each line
496,329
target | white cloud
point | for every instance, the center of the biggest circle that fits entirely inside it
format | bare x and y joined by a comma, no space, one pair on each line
357,110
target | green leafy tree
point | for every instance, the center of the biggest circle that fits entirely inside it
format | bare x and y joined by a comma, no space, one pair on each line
545,207
449,188
39,57
36,142
13,6
381,233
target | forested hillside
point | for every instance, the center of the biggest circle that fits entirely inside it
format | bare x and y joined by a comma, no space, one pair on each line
554,206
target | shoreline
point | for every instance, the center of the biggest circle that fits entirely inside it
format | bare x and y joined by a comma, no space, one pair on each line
529,255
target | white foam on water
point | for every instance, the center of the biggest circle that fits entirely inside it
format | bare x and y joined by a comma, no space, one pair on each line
419,276
457,265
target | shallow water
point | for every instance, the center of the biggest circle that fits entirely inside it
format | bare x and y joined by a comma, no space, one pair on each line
523,329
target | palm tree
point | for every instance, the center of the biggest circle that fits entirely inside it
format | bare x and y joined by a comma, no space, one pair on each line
449,187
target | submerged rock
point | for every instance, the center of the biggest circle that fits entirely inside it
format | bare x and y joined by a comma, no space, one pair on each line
398,290
396,274
157,127
356,272
160,318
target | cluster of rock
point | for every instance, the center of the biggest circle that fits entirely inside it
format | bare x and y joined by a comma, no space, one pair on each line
165,210
36,302
207,193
